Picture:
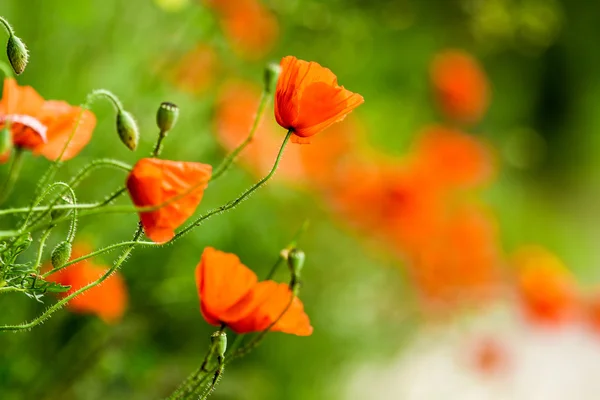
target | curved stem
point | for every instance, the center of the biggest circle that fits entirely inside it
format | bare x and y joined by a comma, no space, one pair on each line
15,169
97,253
40,198
38,258
242,197
7,26
228,161
103,93
75,181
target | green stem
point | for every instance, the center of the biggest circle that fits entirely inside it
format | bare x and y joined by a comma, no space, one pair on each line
41,197
228,161
103,93
38,258
15,169
242,197
158,146
7,26
75,181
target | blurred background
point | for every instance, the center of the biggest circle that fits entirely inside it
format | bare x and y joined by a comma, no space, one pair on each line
452,246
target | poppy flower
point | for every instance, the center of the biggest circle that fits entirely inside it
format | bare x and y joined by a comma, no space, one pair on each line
249,26
154,181
460,86
231,294
196,71
592,310
547,290
308,99
455,158
107,300
44,127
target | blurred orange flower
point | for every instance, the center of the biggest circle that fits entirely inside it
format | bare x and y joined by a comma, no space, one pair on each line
154,181
591,308
196,71
231,294
454,158
460,86
548,292
107,300
249,26
308,99
44,127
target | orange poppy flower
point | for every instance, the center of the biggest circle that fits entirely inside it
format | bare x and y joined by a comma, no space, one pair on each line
308,99
107,300
548,291
248,25
154,181
196,71
44,127
231,294
453,157
460,86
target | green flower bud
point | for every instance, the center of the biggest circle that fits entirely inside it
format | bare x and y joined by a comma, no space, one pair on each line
61,254
59,213
295,261
219,343
272,72
128,130
6,143
167,115
22,243
17,54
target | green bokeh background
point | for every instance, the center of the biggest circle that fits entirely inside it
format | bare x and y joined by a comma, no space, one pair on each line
543,66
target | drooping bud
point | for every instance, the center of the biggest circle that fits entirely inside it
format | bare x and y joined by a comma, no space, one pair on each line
6,144
219,343
295,261
272,71
17,54
128,129
167,115
62,212
61,254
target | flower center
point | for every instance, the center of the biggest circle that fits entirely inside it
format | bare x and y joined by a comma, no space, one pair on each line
27,121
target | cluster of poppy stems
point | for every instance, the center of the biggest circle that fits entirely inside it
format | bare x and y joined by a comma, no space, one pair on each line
166,194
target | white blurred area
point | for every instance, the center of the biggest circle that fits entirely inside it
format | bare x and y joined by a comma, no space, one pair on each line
496,356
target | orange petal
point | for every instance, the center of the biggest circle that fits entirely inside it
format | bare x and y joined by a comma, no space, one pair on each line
270,300
222,282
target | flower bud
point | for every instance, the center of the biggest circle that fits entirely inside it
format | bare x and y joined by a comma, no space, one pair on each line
295,261
6,144
128,129
166,117
22,243
61,254
17,54
219,343
272,72
62,212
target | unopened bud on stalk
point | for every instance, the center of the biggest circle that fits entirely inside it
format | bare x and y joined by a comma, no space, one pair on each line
61,254
295,261
219,343
272,72
166,117
62,212
17,54
6,143
128,129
